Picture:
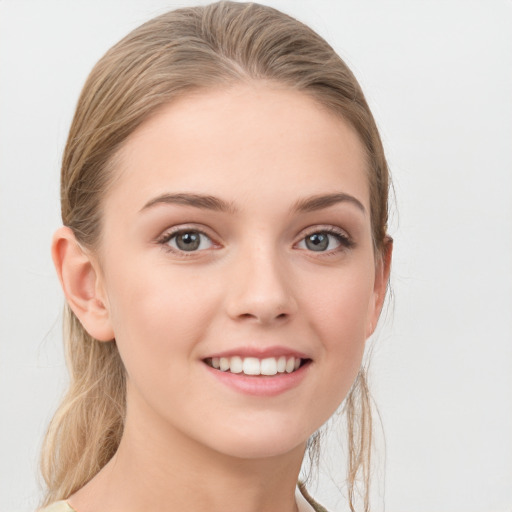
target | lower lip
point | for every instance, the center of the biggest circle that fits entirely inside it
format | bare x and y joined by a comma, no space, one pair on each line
260,385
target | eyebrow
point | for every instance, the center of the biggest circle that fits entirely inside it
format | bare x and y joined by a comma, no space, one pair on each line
318,202
207,202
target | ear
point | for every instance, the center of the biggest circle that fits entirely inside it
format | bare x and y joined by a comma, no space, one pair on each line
82,284
382,271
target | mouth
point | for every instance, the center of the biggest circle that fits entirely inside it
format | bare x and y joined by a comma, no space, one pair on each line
253,366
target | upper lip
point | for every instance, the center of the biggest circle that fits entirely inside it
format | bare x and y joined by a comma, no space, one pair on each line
260,352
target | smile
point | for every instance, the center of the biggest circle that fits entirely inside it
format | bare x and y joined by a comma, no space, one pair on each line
254,366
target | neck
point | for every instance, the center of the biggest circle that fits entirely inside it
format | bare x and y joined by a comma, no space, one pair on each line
167,471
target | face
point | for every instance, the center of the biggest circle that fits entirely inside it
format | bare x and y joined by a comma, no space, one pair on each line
237,268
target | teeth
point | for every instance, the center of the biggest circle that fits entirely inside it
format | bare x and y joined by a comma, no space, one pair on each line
269,366
255,366
251,366
236,365
290,365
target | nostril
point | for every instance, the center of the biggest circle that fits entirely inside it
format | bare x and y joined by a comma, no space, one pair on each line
247,316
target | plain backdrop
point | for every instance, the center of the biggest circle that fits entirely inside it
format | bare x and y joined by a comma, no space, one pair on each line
438,76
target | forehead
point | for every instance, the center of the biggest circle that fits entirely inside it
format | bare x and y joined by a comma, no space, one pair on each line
240,142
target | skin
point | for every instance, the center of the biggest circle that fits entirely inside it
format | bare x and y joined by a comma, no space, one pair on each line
190,441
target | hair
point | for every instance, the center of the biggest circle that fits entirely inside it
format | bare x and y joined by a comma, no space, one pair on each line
170,56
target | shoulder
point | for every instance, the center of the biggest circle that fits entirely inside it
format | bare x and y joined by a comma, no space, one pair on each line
58,506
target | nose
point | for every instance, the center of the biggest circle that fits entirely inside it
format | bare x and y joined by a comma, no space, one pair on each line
260,289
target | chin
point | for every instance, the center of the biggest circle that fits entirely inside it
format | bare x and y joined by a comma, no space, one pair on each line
261,449
260,441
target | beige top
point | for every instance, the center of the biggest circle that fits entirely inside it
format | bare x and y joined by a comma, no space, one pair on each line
302,504
58,506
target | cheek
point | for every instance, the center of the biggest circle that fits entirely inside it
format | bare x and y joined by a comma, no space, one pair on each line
157,315
341,306
340,310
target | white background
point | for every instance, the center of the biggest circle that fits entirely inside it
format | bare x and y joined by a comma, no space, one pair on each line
438,76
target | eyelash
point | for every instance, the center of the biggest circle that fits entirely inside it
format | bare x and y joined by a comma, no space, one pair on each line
341,237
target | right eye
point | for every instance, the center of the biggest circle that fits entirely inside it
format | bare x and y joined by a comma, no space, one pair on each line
187,240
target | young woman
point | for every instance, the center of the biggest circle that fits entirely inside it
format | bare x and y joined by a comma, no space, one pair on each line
224,257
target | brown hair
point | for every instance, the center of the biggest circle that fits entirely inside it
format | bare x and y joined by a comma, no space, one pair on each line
165,58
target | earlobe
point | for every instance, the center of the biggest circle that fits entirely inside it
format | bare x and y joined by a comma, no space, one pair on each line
382,271
81,284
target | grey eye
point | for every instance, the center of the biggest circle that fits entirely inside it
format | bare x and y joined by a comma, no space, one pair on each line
190,241
317,241
322,241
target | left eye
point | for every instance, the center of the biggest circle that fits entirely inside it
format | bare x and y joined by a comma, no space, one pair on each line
189,241
321,241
